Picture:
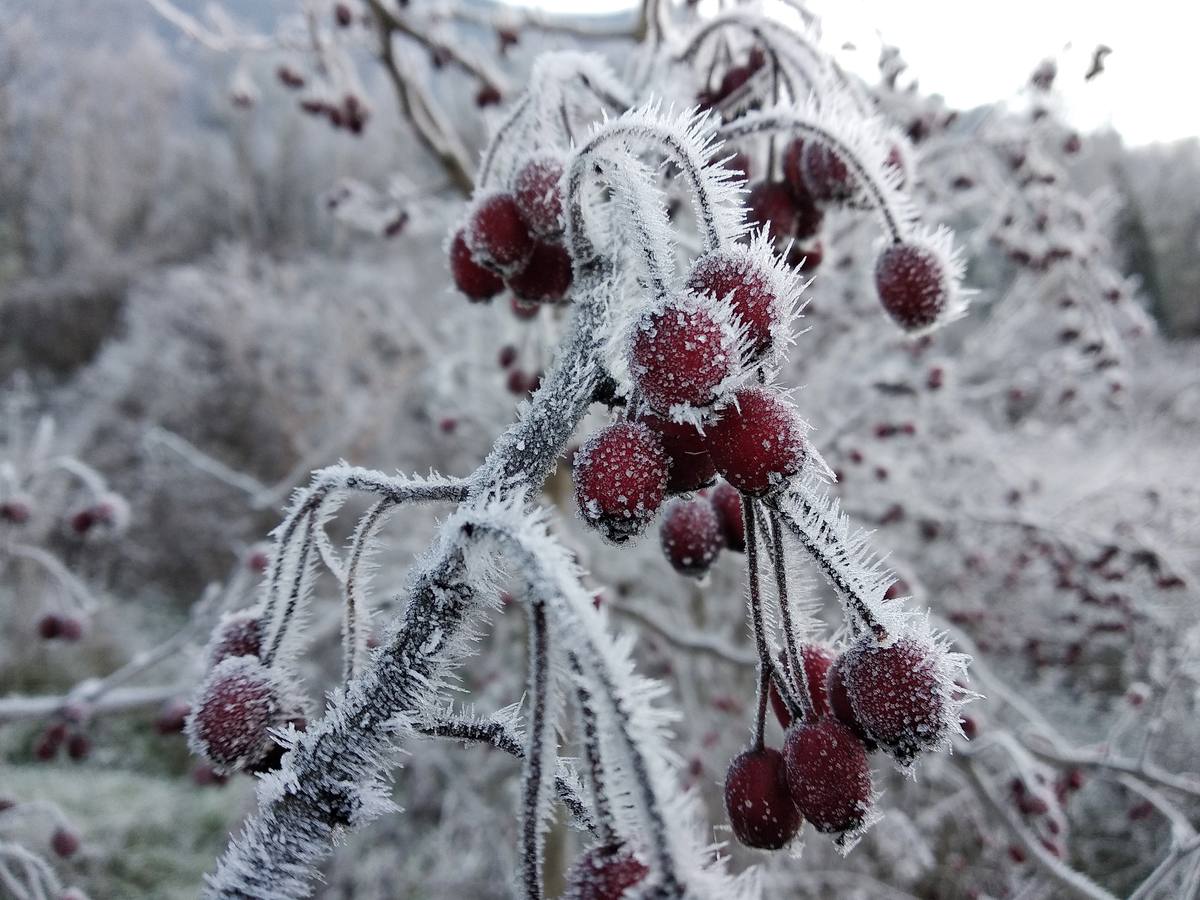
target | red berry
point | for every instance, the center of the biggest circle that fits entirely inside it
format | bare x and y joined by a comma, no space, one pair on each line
15,511
70,628
828,774
539,196
230,720
498,235
839,702
50,626
488,95
816,660
691,468
64,841
691,536
237,634
471,278
604,873
725,273
898,695
342,14
826,174
913,285
680,354
172,716
758,800
546,277
620,479
79,746
507,356
758,442
772,205
727,503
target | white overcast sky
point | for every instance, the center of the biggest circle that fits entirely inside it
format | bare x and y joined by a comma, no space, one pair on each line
977,51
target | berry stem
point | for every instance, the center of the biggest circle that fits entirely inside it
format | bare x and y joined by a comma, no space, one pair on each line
756,619
539,723
353,638
294,595
495,734
787,120
503,130
791,648
591,750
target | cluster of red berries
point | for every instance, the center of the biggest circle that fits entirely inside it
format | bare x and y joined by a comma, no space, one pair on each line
604,873
888,697
67,732
54,626
624,472
514,238
239,702
349,113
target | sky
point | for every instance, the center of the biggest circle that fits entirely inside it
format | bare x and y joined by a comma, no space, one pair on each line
979,51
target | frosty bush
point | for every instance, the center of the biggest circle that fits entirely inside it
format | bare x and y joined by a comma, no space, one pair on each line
633,253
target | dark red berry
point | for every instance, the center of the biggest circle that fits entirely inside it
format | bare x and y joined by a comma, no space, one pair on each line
472,279
539,196
680,354
839,702
237,634
691,536
898,695
758,442
691,468
620,479
604,873
342,14
64,841
70,628
758,800
172,716
725,273
497,235
50,626
15,511
826,174
488,95
230,720
79,746
547,276
828,774
772,205
507,356
816,660
913,285
727,503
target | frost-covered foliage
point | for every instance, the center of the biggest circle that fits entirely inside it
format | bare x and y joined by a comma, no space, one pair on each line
602,317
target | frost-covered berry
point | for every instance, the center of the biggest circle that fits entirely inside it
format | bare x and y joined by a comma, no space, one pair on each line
604,873
237,634
472,279
498,235
828,775
914,285
727,503
758,800
79,746
691,536
680,354
231,717
839,702
539,195
758,441
826,174
691,468
620,479
546,278
817,661
772,205
65,841
898,695
735,274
